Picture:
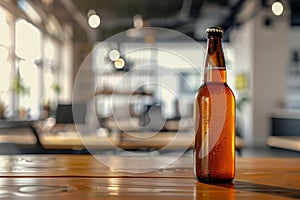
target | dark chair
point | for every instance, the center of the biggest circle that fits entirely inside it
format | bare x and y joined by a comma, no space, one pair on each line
70,113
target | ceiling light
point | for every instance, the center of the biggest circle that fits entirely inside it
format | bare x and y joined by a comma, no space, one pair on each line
277,8
138,21
114,55
94,21
119,63
91,12
47,2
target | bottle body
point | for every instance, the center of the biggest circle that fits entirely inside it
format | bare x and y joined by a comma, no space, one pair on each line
214,120
214,153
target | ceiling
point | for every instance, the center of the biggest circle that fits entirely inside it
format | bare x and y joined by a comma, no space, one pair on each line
190,17
181,15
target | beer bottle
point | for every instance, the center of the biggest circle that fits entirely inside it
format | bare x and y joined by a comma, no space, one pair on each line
214,117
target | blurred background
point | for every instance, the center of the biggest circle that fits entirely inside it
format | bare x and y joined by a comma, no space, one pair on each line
44,42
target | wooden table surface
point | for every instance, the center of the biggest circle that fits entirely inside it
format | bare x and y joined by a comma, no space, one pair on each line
84,177
130,140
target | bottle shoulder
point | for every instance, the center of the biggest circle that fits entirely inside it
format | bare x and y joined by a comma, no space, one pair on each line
217,85
212,88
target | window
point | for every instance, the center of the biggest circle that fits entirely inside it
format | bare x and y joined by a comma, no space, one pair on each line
5,60
51,72
35,64
28,52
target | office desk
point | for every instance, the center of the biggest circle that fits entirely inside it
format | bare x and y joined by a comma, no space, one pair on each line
20,124
284,142
83,177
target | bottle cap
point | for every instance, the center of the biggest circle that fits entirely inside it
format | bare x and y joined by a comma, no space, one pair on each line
214,30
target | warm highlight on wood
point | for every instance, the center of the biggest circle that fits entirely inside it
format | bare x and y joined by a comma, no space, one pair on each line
83,177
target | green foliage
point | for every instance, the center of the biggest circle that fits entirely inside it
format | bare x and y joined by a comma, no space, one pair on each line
18,86
240,102
56,88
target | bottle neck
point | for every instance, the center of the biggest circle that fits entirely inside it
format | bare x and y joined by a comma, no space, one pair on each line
215,68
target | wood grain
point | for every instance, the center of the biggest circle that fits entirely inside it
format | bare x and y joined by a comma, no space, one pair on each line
84,177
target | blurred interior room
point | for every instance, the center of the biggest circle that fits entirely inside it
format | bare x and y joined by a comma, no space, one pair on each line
48,46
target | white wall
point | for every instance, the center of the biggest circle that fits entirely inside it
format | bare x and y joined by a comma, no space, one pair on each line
242,40
271,55
293,97
293,38
262,51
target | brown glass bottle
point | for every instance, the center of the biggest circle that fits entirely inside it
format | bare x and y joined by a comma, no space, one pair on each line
214,117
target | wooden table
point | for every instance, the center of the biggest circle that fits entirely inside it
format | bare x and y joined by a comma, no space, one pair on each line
284,142
83,177
129,140
21,124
